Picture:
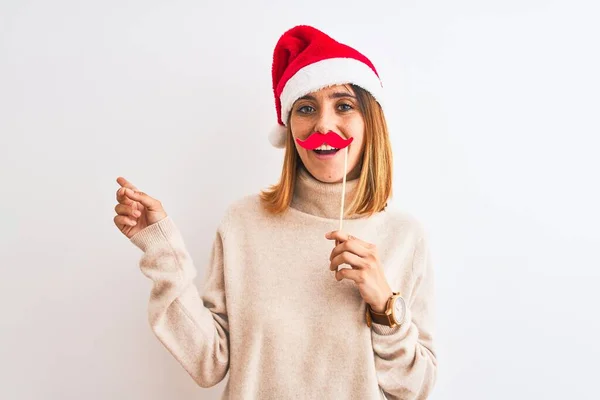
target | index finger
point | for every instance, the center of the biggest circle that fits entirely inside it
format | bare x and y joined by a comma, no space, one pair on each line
121,197
339,236
125,183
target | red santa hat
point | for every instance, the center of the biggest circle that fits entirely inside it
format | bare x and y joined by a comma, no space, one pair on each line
305,60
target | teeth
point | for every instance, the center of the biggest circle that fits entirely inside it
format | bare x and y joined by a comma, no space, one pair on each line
325,147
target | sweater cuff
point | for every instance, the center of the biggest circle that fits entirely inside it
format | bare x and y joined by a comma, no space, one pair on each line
385,330
158,234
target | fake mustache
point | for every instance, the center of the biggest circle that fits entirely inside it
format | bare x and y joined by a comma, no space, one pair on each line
331,138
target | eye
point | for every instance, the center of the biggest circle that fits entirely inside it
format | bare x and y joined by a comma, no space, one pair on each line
345,107
305,109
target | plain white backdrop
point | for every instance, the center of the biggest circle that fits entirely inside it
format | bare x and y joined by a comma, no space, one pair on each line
493,113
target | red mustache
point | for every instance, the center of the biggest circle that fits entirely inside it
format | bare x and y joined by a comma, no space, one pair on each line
331,138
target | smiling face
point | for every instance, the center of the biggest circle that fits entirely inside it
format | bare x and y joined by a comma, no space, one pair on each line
332,109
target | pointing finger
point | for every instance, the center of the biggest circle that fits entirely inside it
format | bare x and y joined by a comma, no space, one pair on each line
339,236
125,183
121,198
150,203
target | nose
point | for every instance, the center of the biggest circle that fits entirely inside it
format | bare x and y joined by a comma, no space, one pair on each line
325,121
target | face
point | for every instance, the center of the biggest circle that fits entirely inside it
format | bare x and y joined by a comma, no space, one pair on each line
332,109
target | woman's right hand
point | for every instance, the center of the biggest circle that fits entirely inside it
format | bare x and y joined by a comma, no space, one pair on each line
136,210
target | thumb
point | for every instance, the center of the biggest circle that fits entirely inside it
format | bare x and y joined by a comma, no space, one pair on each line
150,203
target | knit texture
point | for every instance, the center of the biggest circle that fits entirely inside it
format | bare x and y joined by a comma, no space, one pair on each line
271,313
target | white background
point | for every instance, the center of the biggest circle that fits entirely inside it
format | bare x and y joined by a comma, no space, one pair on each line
493,112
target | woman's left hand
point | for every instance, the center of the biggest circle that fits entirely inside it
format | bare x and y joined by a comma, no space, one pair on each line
366,271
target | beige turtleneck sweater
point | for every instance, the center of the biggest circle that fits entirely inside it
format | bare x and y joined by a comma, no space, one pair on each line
272,314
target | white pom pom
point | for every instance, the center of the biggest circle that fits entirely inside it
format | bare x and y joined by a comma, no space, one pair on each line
277,136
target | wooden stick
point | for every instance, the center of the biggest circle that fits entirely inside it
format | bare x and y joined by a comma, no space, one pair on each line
344,186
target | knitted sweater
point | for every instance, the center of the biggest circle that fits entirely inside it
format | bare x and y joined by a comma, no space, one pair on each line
272,314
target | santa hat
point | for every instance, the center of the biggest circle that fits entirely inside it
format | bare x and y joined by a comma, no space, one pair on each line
305,60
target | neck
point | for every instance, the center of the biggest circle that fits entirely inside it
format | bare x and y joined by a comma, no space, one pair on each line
322,199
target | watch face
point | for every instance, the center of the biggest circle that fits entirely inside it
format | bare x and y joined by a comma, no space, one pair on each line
399,309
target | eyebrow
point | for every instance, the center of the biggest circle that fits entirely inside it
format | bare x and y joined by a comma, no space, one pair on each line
336,95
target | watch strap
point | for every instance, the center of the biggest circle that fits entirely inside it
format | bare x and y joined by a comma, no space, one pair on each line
382,318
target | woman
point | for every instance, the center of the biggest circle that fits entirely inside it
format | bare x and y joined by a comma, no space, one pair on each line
271,313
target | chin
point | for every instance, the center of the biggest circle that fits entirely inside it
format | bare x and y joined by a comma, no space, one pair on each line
327,173
330,180
328,177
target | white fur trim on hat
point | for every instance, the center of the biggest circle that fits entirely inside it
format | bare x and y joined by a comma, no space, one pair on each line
329,72
277,136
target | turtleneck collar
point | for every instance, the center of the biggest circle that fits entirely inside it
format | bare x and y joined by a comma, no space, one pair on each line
320,198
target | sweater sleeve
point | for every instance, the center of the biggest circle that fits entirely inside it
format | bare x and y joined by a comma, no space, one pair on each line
194,328
405,358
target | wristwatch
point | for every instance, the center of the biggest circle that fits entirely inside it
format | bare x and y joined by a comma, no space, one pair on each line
393,315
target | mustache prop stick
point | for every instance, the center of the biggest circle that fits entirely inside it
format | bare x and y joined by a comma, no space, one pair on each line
315,140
